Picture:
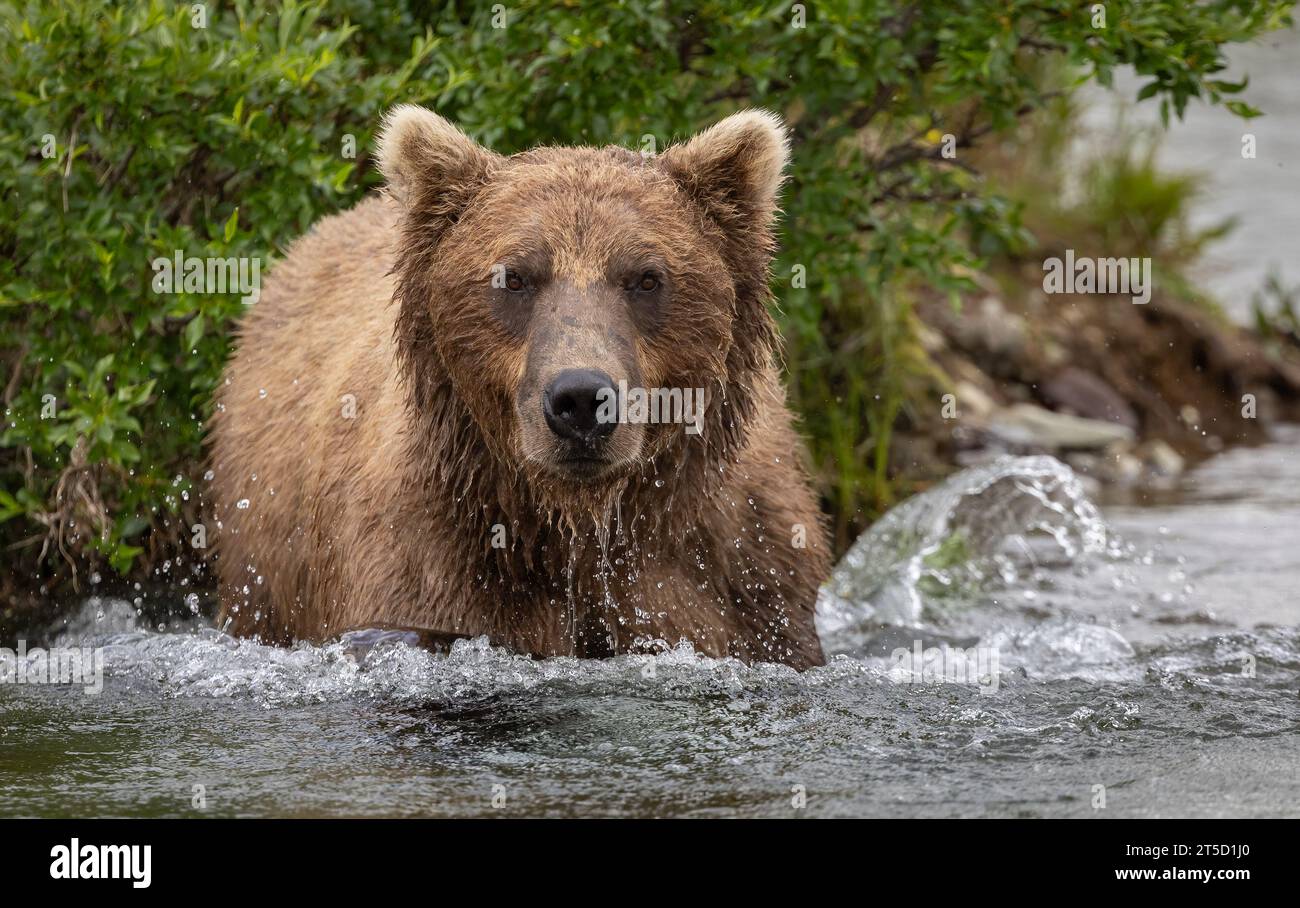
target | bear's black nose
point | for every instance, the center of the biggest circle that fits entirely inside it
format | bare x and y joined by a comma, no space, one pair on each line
581,405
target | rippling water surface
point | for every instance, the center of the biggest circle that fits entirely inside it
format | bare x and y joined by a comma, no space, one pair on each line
1152,650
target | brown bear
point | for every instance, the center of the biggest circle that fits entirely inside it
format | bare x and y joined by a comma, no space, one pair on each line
441,413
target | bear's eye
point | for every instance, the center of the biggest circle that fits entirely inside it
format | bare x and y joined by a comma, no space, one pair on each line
648,282
514,282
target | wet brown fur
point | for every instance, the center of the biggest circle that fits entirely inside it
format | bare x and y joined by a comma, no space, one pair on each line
329,523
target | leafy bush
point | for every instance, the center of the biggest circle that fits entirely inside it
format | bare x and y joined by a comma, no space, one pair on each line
135,130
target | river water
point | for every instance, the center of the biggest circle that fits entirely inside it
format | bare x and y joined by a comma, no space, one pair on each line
1147,664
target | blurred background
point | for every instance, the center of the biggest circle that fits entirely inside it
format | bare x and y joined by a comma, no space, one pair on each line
1263,241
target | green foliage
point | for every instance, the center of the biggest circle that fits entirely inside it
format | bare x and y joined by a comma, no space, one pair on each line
130,134
1116,200
1127,202
1275,308
227,140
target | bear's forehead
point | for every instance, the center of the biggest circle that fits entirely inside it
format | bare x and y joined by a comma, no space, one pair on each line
580,211
584,176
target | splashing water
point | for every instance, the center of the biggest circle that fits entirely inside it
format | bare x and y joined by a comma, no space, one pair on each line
952,538
1112,668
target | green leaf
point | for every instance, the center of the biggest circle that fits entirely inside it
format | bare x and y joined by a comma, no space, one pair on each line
1243,110
194,330
232,225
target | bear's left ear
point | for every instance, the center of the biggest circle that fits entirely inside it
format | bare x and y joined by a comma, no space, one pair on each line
734,169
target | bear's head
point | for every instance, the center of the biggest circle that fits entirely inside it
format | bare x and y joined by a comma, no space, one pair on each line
581,301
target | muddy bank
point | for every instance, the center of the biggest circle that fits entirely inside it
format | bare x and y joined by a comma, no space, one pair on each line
1129,394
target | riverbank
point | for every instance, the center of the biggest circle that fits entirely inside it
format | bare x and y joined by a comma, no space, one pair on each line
1129,394
1130,388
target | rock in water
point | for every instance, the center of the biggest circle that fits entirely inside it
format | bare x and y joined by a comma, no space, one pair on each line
1082,393
1028,426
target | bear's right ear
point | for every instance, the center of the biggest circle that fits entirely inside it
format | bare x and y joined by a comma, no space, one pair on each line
423,156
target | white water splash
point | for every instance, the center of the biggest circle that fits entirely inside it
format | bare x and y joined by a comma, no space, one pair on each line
980,524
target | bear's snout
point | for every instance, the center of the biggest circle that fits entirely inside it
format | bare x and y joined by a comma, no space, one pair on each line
580,405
